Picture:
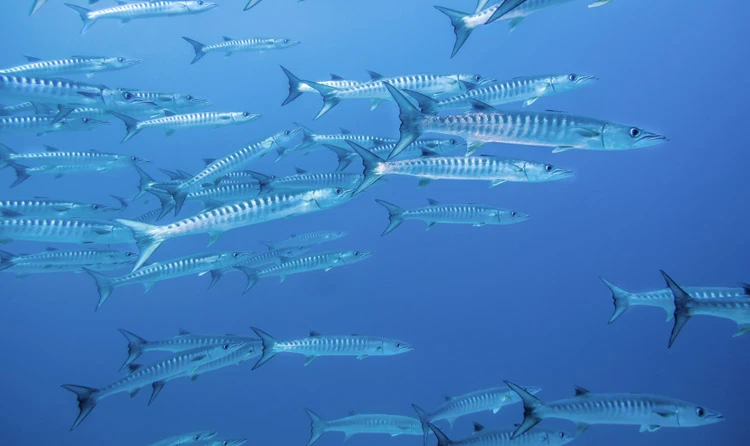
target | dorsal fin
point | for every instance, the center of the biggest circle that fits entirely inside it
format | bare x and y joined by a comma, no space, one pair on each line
51,149
481,106
478,427
208,160
169,112
183,332
433,202
51,249
345,131
300,171
32,58
336,77
134,367
226,38
375,76
448,398
580,391
314,333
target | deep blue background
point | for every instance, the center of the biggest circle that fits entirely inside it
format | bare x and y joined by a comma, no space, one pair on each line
481,305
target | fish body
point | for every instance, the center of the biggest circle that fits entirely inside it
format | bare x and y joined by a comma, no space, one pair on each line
176,102
363,424
18,109
72,65
50,91
187,438
218,220
154,375
663,298
153,273
323,261
303,181
311,139
297,86
210,196
232,442
257,260
252,348
54,261
522,10
317,345
85,160
239,177
466,214
174,122
228,46
413,150
305,240
47,124
43,207
79,231
126,12
651,412
505,437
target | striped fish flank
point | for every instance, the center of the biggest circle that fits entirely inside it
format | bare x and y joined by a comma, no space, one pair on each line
41,125
190,437
650,412
416,149
228,46
305,240
297,86
50,91
323,261
484,437
42,208
78,231
18,109
173,122
363,424
126,12
83,160
235,215
176,102
317,345
252,348
155,375
304,180
257,260
71,65
56,261
211,197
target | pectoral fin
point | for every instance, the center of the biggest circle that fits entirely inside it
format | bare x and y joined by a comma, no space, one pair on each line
649,428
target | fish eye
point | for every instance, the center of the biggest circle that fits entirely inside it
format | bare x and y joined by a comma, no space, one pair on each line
287,132
339,191
452,142
226,443
236,254
700,412
562,434
286,40
200,2
572,77
548,167
95,207
197,437
225,346
121,59
85,120
512,213
128,254
189,97
635,132
127,95
134,158
246,114
398,345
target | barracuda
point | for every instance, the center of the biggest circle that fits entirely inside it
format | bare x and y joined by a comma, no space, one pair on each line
324,261
140,10
310,139
188,438
239,177
433,167
734,308
414,150
650,412
466,214
304,180
484,437
258,260
72,65
184,341
218,168
317,345
297,86
664,298
548,129
308,239
216,221
252,348
210,196
153,273
521,89
176,102
19,109
172,122
54,261
232,442
48,124
63,231
363,424
155,375
229,46
43,207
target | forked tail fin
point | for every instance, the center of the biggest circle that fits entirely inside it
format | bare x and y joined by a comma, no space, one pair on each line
370,161
86,401
145,237
459,27
135,347
269,344
620,297
682,302
84,13
317,426
530,406
395,215
410,118
197,47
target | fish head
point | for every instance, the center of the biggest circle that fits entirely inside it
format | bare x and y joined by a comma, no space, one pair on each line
293,251
132,160
447,145
508,217
691,415
471,81
566,82
352,256
84,123
541,172
233,257
624,137
335,235
544,436
219,351
118,63
201,435
285,137
284,43
199,5
241,117
123,256
98,208
329,197
123,99
395,347
235,442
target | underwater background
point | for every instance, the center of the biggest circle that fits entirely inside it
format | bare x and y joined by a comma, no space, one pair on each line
520,302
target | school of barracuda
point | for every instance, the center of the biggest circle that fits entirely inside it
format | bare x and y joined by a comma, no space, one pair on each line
461,106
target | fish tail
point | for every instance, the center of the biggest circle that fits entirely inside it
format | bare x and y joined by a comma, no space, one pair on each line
531,405
144,183
145,237
250,4
427,105
682,302
22,173
745,287
294,86
395,214
459,27
317,426
344,156
329,98
135,347
410,117
307,137
424,419
36,6
370,161
197,47
5,155
123,202
131,125
6,260
505,8
269,344
84,13
620,297
86,401
166,200
442,439
252,277
176,193
103,285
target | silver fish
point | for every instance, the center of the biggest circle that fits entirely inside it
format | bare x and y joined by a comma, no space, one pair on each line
257,260
64,231
210,196
363,424
436,212
252,348
297,86
172,122
43,207
416,149
306,240
304,180
155,375
232,442
188,438
54,261
72,65
216,221
504,437
140,10
176,102
650,412
230,46
317,345
20,109
47,124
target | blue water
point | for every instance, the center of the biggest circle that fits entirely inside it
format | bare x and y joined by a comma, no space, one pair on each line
520,302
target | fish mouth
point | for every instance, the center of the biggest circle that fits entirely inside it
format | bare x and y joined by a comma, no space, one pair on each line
519,217
583,78
651,139
131,62
560,173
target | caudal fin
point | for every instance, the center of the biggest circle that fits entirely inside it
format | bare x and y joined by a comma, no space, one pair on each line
395,214
22,173
84,13
344,156
103,284
269,344
86,401
329,97
250,4
145,238
424,418
681,307
442,439
6,260
294,86
317,426
252,277
370,161
131,126
621,298
166,200
135,347
530,406
459,27
410,120
197,47
36,6
176,193
6,155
